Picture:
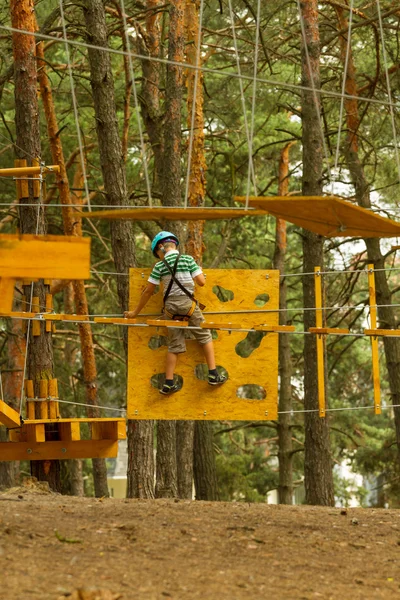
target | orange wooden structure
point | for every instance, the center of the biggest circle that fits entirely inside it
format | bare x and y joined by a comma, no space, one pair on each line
327,215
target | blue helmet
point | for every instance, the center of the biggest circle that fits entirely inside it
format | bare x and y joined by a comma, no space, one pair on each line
163,236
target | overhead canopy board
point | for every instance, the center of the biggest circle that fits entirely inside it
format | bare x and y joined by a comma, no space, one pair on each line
328,216
168,213
250,359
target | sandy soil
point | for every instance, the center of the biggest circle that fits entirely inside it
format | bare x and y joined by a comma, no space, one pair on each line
51,546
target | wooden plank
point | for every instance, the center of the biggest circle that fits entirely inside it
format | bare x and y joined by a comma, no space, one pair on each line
54,409
6,294
275,328
48,257
49,308
35,432
166,323
115,321
374,340
329,216
383,332
21,171
111,430
58,450
43,393
17,315
171,214
78,420
69,432
220,325
328,330
30,409
36,328
8,416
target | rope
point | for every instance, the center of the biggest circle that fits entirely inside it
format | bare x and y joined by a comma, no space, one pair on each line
346,64
246,127
74,104
271,82
135,97
314,91
196,77
91,405
253,106
396,149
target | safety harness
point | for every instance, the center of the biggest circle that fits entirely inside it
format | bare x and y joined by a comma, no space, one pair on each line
173,280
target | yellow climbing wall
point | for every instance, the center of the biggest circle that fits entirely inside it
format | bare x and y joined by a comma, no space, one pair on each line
197,399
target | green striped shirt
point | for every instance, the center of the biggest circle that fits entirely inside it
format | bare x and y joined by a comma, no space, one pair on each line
187,270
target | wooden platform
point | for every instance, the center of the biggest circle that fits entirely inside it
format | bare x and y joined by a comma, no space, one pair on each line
167,213
52,439
329,216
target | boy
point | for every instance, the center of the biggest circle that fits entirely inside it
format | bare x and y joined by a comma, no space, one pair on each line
179,304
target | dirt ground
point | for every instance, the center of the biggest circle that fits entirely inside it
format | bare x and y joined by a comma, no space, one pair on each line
51,546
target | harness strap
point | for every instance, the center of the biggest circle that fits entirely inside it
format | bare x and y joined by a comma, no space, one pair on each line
178,283
181,317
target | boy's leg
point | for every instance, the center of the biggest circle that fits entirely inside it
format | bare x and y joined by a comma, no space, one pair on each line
170,365
209,355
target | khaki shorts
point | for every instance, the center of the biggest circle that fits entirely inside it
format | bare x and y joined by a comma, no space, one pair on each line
180,305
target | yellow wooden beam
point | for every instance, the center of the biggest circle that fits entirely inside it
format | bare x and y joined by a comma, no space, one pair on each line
329,216
275,328
47,257
320,342
115,321
27,171
58,450
8,416
70,432
64,317
166,323
374,340
220,325
6,294
328,330
17,315
383,332
171,214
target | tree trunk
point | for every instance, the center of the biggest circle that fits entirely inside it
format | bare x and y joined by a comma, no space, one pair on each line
205,475
386,312
166,469
13,379
140,460
150,45
184,458
285,446
171,196
317,461
32,218
73,226
112,165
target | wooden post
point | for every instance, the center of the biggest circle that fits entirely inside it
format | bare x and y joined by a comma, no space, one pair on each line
54,411
320,341
43,395
29,394
374,340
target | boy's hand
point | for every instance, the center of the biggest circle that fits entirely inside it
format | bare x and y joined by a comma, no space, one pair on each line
130,314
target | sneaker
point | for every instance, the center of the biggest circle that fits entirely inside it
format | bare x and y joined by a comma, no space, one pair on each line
217,379
169,389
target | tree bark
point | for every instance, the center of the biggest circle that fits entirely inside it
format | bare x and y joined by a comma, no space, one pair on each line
285,446
32,218
152,113
13,379
73,226
166,468
317,461
386,312
113,170
205,475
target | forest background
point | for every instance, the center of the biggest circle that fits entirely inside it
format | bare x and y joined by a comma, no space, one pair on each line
267,135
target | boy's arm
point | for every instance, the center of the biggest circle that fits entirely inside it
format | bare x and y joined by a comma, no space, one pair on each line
144,298
200,279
